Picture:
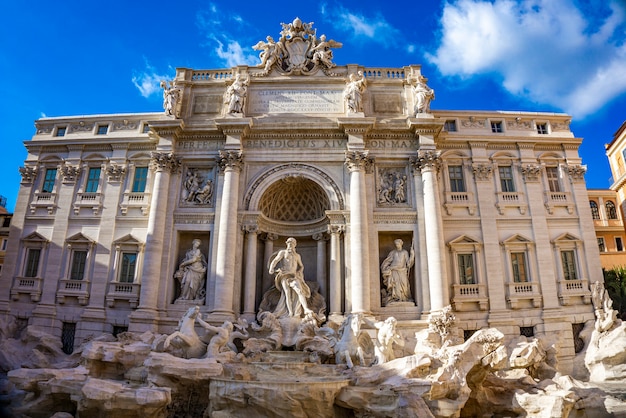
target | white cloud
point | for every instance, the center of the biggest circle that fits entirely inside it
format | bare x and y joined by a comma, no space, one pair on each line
544,50
221,30
148,81
375,28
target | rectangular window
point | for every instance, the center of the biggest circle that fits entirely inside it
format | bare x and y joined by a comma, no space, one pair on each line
49,179
68,332
457,184
32,262
518,264
542,128
146,128
450,126
601,244
466,269
496,127
553,179
79,259
4,244
506,178
619,244
61,131
93,179
139,181
569,265
127,267
102,130
6,222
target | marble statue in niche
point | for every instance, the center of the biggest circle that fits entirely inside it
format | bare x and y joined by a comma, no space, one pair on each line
391,187
235,95
353,93
395,271
171,98
191,274
422,95
289,280
197,188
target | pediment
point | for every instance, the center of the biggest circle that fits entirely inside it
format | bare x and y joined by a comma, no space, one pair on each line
516,239
128,240
463,239
566,237
35,237
79,238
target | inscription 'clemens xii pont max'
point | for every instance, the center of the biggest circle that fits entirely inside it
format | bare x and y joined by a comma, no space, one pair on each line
296,101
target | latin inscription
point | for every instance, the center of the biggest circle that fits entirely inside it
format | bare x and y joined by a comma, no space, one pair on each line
294,143
296,101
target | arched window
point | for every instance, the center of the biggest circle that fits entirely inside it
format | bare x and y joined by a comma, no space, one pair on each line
611,213
595,213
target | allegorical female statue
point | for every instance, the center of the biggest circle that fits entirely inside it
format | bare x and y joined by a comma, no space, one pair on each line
191,272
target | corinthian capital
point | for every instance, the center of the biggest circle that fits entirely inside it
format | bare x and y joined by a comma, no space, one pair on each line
577,172
230,159
164,161
28,174
427,160
358,161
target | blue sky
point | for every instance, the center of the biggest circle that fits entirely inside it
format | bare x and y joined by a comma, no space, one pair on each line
78,58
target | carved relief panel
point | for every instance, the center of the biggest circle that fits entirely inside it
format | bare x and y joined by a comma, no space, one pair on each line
391,187
198,186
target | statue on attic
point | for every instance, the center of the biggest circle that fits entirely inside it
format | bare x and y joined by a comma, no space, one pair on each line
322,52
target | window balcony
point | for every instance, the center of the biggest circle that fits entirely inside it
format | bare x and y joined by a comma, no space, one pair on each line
73,288
137,200
86,200
123,291
506,200
44,200
571,291
558,199
520,292
469,297
464,200
27,285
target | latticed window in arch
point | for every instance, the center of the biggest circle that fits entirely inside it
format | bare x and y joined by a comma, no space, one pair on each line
595,213
294,199
611,212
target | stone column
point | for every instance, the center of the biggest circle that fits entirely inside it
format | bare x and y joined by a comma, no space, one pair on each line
428,161
420,277
358,162
231,162
335,269
321,262
250,279
163,165
268,251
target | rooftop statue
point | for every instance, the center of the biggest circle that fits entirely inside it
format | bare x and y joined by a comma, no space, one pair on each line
235,95
423,95
353,93
171,98
298,51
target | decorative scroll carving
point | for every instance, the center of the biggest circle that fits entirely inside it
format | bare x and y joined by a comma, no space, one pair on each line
577,172
482,172
427,160
473,123
164,161
336,229
531,172
115,172
298,51
125,125
518,124
81,127
70,173
230,160
250,229
358,160
28,174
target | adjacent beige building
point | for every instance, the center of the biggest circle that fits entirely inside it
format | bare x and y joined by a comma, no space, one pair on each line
494,205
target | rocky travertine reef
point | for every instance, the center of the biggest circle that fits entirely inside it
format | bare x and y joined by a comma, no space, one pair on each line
243,370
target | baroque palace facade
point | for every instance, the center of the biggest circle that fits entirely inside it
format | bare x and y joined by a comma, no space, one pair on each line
345,159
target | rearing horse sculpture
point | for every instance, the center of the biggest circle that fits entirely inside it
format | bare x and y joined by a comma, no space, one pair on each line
186,338
348,347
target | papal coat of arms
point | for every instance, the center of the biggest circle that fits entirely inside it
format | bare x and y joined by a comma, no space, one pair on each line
298,51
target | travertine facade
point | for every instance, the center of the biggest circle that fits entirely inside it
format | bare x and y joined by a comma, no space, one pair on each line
346,159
